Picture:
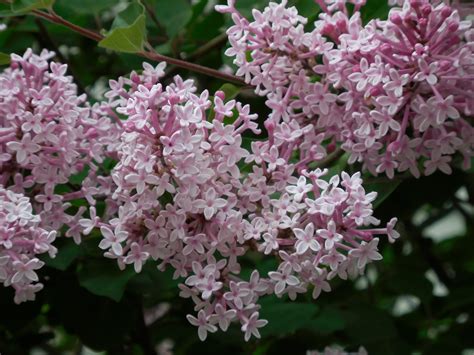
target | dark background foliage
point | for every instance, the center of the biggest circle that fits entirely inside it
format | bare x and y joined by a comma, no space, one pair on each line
419,299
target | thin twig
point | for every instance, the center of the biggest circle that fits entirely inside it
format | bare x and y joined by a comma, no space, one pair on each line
214,43
203,50
53,17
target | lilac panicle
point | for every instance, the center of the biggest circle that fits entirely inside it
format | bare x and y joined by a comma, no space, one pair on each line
194,196
397,95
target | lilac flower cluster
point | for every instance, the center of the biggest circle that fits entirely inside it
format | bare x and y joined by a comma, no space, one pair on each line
47,134
21,240
396,94
190,196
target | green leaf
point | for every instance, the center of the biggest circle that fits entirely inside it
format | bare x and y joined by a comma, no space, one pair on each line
230,91
245,7
128,32
306,8
86,7
4,59
21,6
173,15
285,318
374,9
328,321
337,167
6,10
383,189
68,251
104,278
206,28
77,179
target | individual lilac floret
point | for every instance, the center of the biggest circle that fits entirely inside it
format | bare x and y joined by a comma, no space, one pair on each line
21,241
190,196
396,95
47,134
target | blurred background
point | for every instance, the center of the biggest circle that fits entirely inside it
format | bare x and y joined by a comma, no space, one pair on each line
418,300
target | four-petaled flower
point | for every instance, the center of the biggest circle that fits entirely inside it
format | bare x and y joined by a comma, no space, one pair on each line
210,203
202,323
25,271
251,325
330,234
24,149
113,240
366,252
306,239
283,278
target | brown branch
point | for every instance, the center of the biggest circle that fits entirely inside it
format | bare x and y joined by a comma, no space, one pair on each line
54,18
203,50
214,43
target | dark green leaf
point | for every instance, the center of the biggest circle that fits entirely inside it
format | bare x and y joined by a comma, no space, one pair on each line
128,32
383,189
306,8
4,59
104,278
79,177
328,321
68,251
6,10
173,14
285,318
88,6
230,91
21,6
374,9
246,6
337,167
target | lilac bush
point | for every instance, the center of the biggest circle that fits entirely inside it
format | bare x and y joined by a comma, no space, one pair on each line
202,186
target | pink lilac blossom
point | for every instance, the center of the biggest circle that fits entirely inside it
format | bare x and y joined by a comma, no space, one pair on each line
21,241
47,134
190,196
396,95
